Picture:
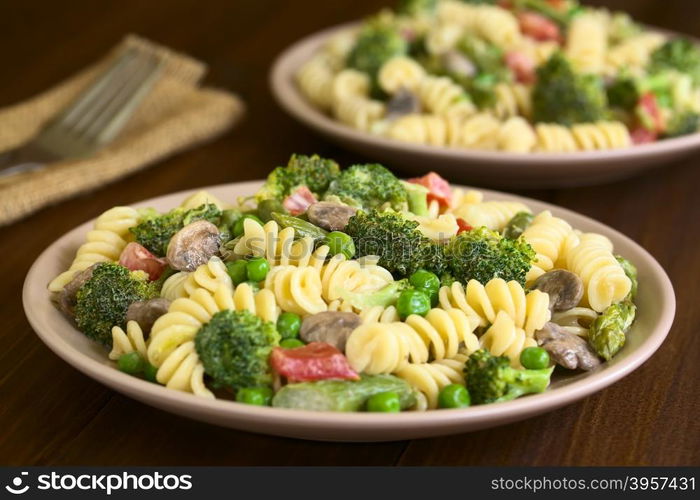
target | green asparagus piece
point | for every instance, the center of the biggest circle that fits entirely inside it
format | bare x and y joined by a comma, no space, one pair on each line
342,395
301,227
631,273
517,225
607,332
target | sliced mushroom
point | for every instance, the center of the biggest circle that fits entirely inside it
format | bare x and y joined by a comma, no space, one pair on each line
146,312
330,216
193,245
67,298
566,349
332,327
403,102
565,289
458,64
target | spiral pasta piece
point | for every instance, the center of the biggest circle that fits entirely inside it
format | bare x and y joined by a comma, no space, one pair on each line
349,84
495,215
202,198
604,279
440,95
400,72
633,54
183,371
587,42
379,314
104,243
315,79
483,303
341,274
360,113
492,23
297,289
512,100
374,348
125,342
262,303
445,332
582,137
431,378
516,135
546,235
504,338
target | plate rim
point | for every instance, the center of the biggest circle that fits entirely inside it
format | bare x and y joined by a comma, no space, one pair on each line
289,97
509,411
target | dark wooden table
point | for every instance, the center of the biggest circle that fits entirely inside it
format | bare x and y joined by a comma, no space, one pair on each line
50,414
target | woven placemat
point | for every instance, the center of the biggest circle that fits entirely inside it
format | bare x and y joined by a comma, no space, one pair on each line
175,115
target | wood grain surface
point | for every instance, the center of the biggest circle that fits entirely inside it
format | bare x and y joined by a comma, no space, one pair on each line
52,415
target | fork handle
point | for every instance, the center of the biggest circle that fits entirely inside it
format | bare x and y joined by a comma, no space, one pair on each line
22,159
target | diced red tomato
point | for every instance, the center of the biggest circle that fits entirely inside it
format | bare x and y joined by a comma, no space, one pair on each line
640,135
301,199
651,118
314,361
136,257
557,4
522,66
438,188
538,27
463,225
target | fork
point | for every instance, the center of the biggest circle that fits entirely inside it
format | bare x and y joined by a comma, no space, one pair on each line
93,119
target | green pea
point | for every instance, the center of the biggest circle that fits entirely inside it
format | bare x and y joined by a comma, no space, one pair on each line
149,373
291,343
412,301
259,396
288,325
238,226
386,402
257,268
427,282
340,242
454,396
237,270
131,363
534,358
230,217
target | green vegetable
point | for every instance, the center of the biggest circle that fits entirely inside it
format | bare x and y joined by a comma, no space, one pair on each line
517,225
229,218
401,247
314,172
267,207
239,227
546,9
563,96
339,242
679,54
131,363
237,270
376,44
417,197
684,123
234,348
631,272
342,395
368,186
413,301
289,325
454,396
102,301
383,297
155,231
491,379
291,343
607,332
426,282
301,227
482,254
623,93
482,89
150,372
257,268
384,402
416,7
534,358
259,396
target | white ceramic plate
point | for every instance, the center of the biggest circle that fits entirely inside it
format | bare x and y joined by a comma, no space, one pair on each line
500,169
656,303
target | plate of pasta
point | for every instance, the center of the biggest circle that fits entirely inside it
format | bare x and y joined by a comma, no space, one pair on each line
524,93
319,304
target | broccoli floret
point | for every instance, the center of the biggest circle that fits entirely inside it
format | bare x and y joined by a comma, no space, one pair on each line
563,96
623,93
487,57
482,254
234,348
383,297
679,54
684,123
102,301
491,379
376,44
401,247
314,172
368,186
154,232
416,7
